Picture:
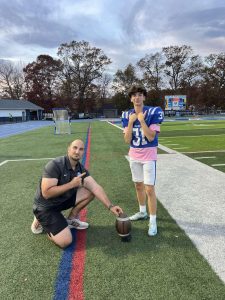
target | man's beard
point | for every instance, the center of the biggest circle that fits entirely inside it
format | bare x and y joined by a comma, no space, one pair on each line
75,158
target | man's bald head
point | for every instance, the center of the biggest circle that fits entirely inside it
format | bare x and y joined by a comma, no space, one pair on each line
76,142
76,150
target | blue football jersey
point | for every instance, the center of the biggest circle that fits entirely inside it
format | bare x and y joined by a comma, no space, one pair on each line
154,115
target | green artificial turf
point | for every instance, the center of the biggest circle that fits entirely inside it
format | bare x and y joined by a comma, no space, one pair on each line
167,266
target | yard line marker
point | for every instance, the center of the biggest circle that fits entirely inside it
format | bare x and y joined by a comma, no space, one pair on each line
203,157
115,125
191,136
4,162
217,165
23,159
181,148
209,151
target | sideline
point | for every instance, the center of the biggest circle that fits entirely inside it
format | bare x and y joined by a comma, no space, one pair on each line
193,193
23,159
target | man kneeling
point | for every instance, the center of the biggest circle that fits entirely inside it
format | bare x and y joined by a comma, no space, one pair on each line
65,184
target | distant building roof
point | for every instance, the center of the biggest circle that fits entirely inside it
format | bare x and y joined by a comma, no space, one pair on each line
18,104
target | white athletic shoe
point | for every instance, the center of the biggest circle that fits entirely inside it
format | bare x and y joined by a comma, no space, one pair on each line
77,224
139,216
36,227
152,229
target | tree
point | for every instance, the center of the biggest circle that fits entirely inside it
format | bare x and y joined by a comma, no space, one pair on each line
11,80
176,60
42,81
123,80
82,65
213,83
152,65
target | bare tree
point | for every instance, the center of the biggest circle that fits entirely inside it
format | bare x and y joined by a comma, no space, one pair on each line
213,83
11,80
176,60
123,80
152,65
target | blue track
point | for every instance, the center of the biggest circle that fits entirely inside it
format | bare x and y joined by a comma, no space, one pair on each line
17,128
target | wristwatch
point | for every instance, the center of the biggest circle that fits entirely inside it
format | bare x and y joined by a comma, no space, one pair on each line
110,206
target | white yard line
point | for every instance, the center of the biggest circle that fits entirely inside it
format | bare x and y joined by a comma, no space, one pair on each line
209,151
178,148
4,162
205,157
191,136
114,125
166,149
24,159
218,165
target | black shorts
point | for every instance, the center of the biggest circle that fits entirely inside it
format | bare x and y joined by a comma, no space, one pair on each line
52,220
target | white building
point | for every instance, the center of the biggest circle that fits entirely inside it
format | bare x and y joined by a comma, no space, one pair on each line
19,111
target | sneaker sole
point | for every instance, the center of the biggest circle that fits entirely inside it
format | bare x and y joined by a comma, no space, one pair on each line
37,231
78,228
154,234
140,219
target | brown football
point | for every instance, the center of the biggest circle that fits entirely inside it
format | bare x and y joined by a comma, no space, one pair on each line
123,225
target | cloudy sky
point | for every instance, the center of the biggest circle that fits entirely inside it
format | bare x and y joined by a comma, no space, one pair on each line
125,30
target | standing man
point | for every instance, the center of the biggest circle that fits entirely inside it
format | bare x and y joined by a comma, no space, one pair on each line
65,184
141,128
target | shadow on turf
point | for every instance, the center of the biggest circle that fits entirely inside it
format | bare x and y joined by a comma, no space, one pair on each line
107,239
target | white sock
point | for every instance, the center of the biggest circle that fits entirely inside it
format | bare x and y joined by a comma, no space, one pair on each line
142,208
152,218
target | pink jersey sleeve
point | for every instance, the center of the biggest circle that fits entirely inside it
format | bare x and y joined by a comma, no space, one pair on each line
155,127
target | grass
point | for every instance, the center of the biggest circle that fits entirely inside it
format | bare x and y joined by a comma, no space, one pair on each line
206,138
167,266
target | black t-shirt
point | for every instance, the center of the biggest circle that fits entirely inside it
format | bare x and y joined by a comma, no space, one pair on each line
61,169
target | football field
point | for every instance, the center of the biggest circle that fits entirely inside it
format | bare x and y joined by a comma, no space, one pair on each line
168,266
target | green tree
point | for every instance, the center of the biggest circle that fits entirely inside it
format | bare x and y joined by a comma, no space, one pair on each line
82,65
42,81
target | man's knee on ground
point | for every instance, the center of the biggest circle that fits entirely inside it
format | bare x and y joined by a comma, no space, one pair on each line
65,243
63,239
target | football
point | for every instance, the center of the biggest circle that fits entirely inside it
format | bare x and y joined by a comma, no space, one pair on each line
123,227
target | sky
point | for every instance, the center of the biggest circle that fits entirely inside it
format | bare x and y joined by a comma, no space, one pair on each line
125,30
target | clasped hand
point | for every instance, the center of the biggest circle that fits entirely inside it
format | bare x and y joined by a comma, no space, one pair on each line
140,116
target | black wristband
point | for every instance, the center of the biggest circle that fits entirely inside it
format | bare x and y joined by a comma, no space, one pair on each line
110,206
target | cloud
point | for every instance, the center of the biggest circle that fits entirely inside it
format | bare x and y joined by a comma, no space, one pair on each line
124,30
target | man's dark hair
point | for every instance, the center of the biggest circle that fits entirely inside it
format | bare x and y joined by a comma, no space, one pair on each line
137,89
